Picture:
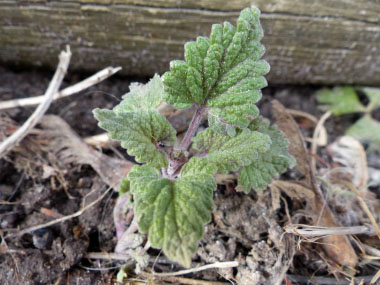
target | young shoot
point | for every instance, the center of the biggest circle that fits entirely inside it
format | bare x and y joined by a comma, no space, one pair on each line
172,190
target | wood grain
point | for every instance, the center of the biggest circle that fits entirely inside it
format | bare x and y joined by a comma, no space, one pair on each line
307,41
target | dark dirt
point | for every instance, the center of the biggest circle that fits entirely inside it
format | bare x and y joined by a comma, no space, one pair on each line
243,227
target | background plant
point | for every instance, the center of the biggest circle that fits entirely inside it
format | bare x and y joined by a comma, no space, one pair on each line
222,76
345,100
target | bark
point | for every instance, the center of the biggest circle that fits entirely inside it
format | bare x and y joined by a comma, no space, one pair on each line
307,41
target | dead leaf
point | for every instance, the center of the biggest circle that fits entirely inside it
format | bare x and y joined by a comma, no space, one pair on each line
350,153
71,148
289,127
294,190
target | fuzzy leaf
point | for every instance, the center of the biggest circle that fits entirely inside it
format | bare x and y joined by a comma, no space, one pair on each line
174,212
230,153
142,96
341,100
268,165
140,132
124,186
224,73
366,130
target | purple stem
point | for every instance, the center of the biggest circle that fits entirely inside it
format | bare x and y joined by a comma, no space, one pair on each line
176,165
193,127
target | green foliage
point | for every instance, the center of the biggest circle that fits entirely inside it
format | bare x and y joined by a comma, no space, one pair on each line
223,72
174,212
345,100
231,153
366,130
142,97
172,192
340,100
124,186
269,164
140,132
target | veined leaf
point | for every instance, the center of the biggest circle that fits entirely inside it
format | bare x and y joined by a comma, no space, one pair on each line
230,153
340,100
270,164
174,212
140,132
224,73
142,96
366,130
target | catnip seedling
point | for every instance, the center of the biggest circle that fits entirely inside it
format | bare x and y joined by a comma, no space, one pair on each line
173,191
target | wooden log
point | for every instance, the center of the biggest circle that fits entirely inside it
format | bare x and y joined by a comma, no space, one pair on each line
307,41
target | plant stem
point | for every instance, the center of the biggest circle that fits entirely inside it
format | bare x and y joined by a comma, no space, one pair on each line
193,127
174,164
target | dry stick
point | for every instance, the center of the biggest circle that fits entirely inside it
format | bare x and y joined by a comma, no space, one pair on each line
372,250
227,264
16,137
60,220
315,231
76,88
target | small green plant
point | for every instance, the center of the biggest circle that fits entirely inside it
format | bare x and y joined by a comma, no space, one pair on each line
345,100
173,190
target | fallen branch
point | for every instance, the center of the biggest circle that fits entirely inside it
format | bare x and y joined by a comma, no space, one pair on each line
76,88
17,136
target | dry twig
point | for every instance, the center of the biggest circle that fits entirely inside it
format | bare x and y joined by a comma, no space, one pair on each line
71,90
227,264
316,231
17,136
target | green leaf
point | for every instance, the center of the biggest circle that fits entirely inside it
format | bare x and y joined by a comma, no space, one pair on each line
174,212
140,132
224,73
341,100
142,96
230,153
124,186
366,130
270,164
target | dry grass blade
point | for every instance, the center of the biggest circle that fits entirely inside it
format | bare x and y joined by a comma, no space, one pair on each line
17,136
322,138
317,132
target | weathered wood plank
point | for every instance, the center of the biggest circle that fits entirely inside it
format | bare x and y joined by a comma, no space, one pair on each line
307,41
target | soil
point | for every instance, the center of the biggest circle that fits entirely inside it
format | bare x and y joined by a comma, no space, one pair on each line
244,228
